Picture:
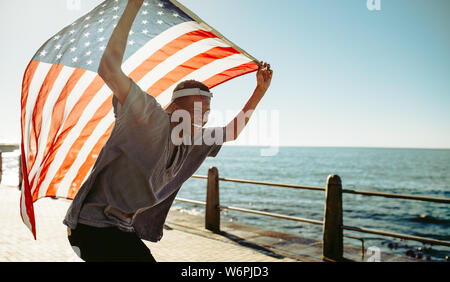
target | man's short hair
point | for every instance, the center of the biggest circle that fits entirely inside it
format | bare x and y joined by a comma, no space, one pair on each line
189,84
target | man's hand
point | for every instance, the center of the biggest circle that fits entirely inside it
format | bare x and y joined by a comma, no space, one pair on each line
263,77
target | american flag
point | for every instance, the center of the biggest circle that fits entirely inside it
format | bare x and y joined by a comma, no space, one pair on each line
66,108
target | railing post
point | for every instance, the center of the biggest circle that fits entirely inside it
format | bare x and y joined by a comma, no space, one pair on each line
20,172
212,214
1,170
333,245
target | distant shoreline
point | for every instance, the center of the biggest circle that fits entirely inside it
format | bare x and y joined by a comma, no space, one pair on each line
4,147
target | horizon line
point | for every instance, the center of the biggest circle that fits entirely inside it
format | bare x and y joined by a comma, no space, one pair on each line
309,146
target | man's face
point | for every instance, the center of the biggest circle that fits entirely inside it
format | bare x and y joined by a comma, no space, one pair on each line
194,111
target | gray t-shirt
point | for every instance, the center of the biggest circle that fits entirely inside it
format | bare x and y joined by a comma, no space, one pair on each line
139,171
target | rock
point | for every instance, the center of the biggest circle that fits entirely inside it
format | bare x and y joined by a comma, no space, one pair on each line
418,256
410,253
390,245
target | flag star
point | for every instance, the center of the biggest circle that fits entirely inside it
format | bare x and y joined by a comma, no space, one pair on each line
74,59
87,34
56,37
160,22
115,17
102,48
43,53
101,39
146,4
101,12
176,15
131,42
73,23
101,29
114,25
87,44
131,32
57,47
144,22
145,31
87,18
59,56
89,62
104,5
116,8
73,49
101,20
72,40
72,31
145,12
161,5
160,13
86,25
88,53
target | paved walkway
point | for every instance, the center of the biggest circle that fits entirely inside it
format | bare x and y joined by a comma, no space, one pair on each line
17,243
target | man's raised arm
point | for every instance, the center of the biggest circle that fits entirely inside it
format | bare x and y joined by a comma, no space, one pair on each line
237,125
110,69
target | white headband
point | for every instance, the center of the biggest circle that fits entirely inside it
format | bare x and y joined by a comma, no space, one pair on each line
190,92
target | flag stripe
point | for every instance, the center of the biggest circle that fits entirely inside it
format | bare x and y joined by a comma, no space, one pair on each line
37,112
26,204
84,153
46,111
74,119
60,106
89,161
50,164
77,146
35,85
205,73
168,50
58,116
230,74
190,66
75,125
178,58
159,42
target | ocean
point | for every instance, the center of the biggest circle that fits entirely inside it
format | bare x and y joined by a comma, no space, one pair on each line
423,172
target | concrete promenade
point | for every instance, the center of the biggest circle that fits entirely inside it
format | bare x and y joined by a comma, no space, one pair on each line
17,243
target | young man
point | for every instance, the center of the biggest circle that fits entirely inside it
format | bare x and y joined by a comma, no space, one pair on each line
142,166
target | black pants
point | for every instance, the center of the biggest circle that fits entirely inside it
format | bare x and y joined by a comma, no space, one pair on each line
108,244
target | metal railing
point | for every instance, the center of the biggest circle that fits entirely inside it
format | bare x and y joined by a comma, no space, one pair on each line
332,224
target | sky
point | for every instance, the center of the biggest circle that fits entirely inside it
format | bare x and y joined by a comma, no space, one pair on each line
343,75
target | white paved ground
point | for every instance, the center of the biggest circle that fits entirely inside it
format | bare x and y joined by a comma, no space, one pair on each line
17,243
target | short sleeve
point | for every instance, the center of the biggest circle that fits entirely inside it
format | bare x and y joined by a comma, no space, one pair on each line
138,107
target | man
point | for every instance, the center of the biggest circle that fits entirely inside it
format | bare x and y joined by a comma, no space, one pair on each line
141,168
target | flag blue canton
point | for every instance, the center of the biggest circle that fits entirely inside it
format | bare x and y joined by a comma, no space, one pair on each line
82,43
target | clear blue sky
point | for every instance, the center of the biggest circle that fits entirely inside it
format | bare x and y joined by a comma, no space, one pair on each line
344,75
